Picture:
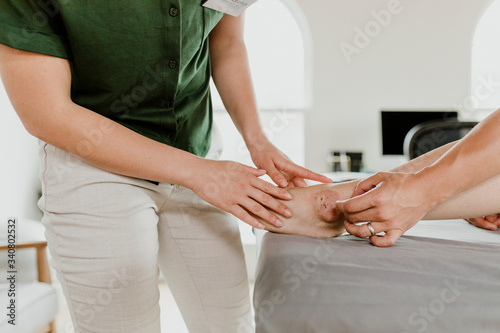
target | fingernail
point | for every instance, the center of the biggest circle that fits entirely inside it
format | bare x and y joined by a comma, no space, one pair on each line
288,196
279,223
261,226
288,213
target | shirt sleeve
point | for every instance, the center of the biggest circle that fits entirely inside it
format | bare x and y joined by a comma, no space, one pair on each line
34,26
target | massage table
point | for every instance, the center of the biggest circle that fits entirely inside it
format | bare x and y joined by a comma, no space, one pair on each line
441,276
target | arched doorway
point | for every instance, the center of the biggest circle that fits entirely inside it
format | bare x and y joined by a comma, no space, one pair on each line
485,84
279,49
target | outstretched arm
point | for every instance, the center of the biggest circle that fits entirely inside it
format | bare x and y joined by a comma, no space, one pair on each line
39,89
480,200
394,202
425,160
316,214
231,74
490,222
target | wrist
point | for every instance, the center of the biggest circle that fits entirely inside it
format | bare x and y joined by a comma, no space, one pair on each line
429,181
255,140
191,171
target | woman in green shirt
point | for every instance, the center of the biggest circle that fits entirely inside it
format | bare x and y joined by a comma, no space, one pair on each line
118,94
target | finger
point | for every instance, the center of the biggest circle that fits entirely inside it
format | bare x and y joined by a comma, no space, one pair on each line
258,210
298,171
246,217
361,230
277,177
254,171
271,189
298,182
485,223
482,223
367,184
389,239
270,202
497,222
371,214
357,204
491,218
267,226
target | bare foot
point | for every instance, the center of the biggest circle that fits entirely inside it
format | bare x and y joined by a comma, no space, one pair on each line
314,210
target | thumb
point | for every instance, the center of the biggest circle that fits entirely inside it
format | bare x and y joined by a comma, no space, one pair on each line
389,239
256,172
277,177
491,218
367,184
341,205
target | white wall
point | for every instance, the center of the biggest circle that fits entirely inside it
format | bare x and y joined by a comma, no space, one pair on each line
421,61
19,165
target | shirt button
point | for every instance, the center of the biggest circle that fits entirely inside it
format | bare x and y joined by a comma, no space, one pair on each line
167,105
173,12
172,64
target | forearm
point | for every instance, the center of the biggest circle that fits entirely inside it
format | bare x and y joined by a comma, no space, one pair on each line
480,200
470,162
425,160
110,146
231,75
462,176
39,89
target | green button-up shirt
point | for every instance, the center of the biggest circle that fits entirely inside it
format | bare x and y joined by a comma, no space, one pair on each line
142,63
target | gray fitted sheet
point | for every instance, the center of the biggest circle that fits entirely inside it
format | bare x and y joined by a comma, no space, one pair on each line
421,284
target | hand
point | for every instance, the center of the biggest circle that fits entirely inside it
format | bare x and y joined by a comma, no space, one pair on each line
490,222
236,189
392,202
279,167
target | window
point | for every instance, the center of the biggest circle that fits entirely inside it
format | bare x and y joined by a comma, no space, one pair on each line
486,61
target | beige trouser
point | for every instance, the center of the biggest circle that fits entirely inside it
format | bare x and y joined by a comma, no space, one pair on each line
108,234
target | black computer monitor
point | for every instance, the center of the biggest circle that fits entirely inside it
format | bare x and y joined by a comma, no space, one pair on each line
396,124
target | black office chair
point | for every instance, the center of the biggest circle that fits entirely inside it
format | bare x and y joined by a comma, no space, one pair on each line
433,134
